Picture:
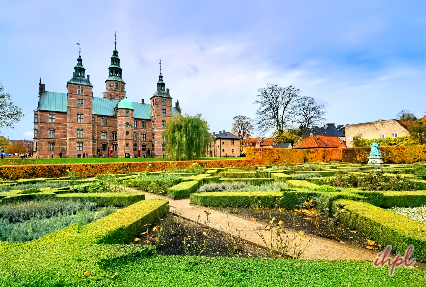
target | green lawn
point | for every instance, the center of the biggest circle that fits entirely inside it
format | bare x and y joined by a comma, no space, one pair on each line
18,161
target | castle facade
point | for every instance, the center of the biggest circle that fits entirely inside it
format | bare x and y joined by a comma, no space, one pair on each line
77,124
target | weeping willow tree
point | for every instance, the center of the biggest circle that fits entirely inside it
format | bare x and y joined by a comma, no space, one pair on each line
186,137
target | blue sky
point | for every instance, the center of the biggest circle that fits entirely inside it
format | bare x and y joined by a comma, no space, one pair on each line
364,60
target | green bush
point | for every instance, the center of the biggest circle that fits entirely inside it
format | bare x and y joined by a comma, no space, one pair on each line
237,199
386,227
300,183
303,176
183,189
104,199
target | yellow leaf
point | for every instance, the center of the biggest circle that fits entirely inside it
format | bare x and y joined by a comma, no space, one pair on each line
370,242
87,274
301,232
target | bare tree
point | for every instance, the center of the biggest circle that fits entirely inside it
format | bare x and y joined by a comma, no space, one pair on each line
242,127
277,109
406,115
309,113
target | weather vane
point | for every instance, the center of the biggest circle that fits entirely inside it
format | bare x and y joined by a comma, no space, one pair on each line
79,50
160,66
115,41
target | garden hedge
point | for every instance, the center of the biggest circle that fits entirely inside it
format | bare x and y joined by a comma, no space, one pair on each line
385,227
92,169
237,199
183,189
254,181
280,176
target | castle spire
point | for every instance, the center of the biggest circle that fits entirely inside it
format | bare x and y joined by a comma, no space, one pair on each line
79,74
115,71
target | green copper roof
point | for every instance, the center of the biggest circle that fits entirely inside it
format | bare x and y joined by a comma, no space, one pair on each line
51,101
57,102
114,78
104,107
125,104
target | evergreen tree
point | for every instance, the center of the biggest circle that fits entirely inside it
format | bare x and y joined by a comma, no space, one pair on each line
177,107
186,137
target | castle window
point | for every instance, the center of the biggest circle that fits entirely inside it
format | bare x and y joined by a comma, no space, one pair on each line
116,85
163,102
127,113
79,145
144,137
116,97
144,124
104,147
93,120
35,118
80,103
51,146
104,135
163,147
394,135
135,123
163,112
144,147
127,144
114,147
135,147
163,124
51,118
135,136
79,118
104,121
127,125
35,134
79,90
127,133
114,136
51,133
79,133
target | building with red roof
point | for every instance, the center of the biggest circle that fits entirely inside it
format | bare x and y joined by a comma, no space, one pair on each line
314,141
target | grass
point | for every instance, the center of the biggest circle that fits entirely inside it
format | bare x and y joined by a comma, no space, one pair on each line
18,161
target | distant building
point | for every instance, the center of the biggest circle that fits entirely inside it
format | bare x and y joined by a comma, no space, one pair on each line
375,130
320,142
226,144
328,130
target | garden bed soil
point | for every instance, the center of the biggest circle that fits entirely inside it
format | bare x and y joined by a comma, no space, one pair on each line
175,235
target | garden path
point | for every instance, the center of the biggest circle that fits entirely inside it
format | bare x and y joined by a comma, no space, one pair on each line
316,247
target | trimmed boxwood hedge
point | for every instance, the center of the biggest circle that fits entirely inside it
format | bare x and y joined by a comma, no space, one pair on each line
302,183
281,176
183,189
386,227
237,199
254,181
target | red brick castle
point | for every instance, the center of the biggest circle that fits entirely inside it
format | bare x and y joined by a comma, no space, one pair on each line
76,123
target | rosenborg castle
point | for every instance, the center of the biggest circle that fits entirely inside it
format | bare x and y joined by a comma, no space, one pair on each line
76,123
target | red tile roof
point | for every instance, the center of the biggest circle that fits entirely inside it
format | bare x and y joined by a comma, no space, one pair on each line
320,142
251,140
268,142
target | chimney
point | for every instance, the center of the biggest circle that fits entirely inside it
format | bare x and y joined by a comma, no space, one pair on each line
88,78
223,131
143,101
214,133
168,92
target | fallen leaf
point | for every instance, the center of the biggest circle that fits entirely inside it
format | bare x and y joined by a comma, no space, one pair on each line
137,239
353,231
301,232
87,274
369,247
370,242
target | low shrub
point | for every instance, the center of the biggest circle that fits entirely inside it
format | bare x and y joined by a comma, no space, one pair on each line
386,228
280,176
183,189
37,185
36,227
120,199
242,187
253,181
301,183
237,199
24,211
303,176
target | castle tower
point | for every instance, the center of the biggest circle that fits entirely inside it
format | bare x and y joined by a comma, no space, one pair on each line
161,112
124,127
115,86
79,112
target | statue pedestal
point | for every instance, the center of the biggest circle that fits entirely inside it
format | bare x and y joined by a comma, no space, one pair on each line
375,160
